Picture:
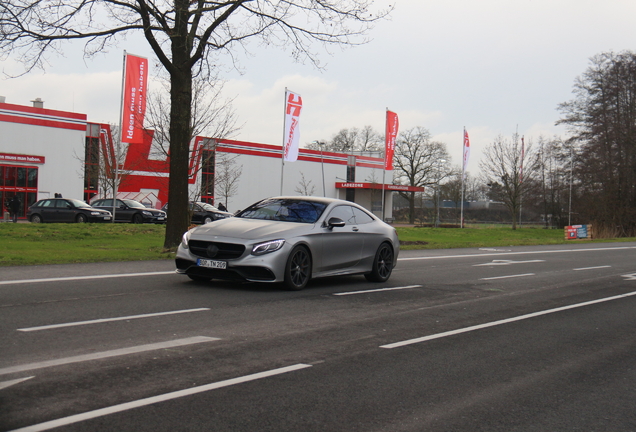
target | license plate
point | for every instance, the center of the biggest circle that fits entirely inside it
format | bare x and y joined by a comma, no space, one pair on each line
160,218
106,217
211,263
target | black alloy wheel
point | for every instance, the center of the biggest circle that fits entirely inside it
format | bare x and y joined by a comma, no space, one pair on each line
137,218
382,264
298,269
81,218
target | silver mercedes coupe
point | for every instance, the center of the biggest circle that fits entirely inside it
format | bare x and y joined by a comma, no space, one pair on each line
291,240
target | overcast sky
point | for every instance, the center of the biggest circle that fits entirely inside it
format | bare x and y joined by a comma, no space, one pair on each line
492,66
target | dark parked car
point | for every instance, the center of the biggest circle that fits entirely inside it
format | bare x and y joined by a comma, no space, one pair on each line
291,240
66,210
203,213
127,210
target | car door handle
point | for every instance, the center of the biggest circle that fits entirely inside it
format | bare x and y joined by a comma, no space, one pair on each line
354,229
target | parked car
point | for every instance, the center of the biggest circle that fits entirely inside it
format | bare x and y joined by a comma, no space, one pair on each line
291,240
127,210
203,213
66,210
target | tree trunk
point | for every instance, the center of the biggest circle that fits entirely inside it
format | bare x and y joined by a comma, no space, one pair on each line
412,208
180,136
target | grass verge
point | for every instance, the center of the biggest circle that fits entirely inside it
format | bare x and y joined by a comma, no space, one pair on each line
30,244
37,244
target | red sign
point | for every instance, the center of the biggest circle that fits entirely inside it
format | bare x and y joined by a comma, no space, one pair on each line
390,187
134,103
15,158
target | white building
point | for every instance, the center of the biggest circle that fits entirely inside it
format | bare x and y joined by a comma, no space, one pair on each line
44,152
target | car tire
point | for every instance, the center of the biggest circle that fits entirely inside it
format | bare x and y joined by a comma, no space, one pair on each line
137,218
81,218
207,220
382,264
36,219
198,278
298,269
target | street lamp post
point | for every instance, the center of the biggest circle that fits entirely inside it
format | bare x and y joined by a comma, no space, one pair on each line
322,167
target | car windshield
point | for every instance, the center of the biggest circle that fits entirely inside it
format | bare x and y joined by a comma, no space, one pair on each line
78,203
133,204
287,210
208,207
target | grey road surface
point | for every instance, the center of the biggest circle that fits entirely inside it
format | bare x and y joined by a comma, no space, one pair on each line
500,339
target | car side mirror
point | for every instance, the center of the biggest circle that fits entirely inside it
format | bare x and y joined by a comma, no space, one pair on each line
335,222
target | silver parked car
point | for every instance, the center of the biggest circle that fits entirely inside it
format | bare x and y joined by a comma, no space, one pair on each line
291,240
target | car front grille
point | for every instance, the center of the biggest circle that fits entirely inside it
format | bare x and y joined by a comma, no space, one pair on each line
216,250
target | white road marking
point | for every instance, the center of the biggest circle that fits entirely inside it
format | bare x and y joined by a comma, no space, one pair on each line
107,354
591,268
377,290
517,253
74,278
506,262
105,320
6,384
630,276
157,399
504,321
29,281
507,277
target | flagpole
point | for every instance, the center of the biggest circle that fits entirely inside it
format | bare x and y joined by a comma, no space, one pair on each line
120,135
282,166
461,220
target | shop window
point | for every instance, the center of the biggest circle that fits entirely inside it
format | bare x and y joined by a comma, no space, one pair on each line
22,177
9,176
32,177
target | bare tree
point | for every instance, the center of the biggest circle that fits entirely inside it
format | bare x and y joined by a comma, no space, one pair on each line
212,115
419,162
305,188
186,36
602,123
226,177
351,140
508,169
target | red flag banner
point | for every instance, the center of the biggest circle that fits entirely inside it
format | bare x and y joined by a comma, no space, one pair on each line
293,106
134,103
466,152
392,125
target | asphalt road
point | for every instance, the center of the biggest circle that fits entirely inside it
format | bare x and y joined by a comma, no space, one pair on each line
504,339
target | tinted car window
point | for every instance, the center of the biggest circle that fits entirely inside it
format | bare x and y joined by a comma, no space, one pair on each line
286,210
61,204
105,203
132,204
343,212
361,217
46,203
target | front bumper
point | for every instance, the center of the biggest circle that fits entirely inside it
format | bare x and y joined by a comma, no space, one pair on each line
247,267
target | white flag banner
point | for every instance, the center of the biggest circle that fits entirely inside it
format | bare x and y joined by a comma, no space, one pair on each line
293,106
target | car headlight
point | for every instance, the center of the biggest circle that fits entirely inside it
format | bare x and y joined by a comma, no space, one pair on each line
185,239
95,213
146,213
267,247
